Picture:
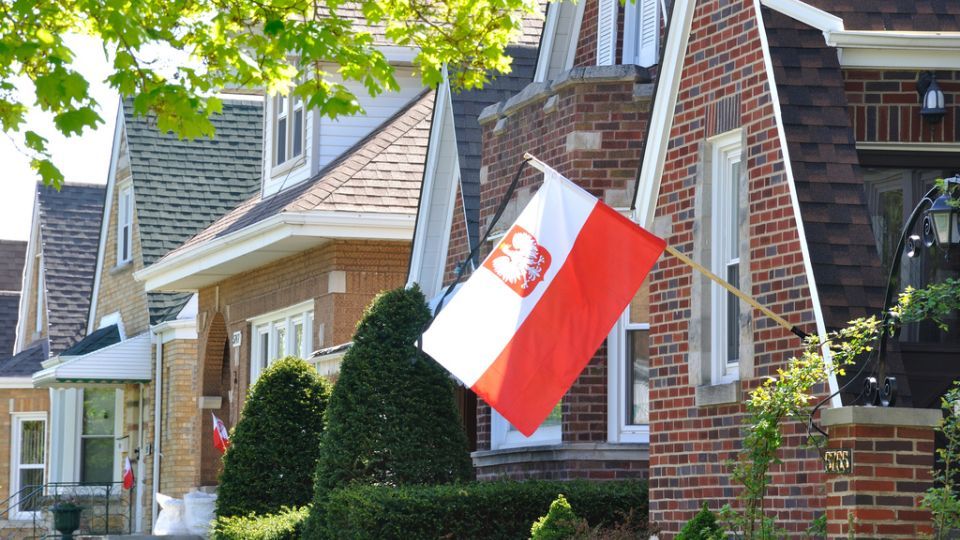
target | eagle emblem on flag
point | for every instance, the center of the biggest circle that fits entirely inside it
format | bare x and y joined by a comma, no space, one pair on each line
519,261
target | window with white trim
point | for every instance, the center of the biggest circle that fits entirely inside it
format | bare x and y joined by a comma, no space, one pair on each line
98,431
28,454
725,256
628,377
504,435
641,32
38,322
125,224
288,332
288,131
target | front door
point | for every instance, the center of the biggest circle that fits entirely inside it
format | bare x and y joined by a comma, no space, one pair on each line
27,474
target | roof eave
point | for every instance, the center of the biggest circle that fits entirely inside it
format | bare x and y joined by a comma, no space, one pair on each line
274,238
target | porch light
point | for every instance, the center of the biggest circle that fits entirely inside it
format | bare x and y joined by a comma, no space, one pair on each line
932,104
943,220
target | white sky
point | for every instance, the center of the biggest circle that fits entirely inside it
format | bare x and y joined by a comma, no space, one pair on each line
80,159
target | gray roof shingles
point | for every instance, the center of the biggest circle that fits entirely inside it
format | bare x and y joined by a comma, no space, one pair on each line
25,363
69,236
9,313
182,186
12,253
902,15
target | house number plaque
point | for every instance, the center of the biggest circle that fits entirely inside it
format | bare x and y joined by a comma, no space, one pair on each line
838,461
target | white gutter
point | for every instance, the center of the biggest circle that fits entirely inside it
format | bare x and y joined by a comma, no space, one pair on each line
15,382
139,522
883,39
158,395
313,224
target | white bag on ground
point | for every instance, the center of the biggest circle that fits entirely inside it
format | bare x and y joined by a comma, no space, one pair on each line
170,519
198,513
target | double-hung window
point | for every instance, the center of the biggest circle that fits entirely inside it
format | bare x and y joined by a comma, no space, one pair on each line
288,129
282,333
99,427
125,224
504,435
628,378
28,453
725,256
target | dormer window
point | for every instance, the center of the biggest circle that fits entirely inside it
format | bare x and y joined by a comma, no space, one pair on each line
288,129
125,225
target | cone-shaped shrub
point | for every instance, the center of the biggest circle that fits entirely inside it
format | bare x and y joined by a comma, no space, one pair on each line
703,526
560,523
274,447
392,417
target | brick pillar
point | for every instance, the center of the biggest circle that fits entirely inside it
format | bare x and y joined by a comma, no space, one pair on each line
892,460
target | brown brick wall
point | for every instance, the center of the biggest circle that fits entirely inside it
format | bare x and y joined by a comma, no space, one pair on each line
14,400
884,106
690,445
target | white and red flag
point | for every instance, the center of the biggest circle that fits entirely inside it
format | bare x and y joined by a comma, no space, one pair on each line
525,324
221,438
128,475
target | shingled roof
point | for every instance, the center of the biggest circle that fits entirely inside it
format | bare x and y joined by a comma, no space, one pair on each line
11,277
380,174
182,186
900,15
69,237
26,362
466,109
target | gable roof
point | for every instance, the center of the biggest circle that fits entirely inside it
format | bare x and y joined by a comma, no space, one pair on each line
894,15
826,170
26,362
12,253
182,186
69,237
466,111
9,313
380,174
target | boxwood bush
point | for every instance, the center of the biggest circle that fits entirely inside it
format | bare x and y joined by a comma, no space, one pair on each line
284,525
478,511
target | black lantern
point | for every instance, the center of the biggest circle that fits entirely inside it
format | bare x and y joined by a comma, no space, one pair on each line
942,219
932,105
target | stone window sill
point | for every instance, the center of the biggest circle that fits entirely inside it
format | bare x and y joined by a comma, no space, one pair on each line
718,394
562,452
122,267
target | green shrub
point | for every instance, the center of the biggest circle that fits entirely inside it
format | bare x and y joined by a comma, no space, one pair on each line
703,526
477,511
559,523
392,418
274,446
284,525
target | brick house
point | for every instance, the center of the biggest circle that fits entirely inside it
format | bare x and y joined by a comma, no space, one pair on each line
160,191
785,152
291,269
581,103
47,283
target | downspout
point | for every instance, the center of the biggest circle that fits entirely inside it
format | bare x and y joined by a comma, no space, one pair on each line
158,388
139,522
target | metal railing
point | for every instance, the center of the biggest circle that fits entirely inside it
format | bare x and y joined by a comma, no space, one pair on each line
107,508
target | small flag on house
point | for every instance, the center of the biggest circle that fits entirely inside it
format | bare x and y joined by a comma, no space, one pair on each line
221,439
527,321
128,478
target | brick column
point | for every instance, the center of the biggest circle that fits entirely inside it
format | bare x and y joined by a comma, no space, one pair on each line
892,460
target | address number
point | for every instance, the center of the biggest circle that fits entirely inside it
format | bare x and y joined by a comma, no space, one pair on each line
838,461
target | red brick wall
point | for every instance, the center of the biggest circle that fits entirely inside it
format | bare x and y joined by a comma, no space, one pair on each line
690,445
885,106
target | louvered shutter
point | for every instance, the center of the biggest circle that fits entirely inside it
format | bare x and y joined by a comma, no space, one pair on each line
641,39
607,32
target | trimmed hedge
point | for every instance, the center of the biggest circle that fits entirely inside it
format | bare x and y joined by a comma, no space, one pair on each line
285,525
478,511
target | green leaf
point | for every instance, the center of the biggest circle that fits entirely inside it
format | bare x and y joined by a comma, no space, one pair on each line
34,141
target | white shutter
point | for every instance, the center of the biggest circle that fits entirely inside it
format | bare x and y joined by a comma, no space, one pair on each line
607,32
641,36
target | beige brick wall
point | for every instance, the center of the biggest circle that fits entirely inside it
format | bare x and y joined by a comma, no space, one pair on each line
29,325
13,401
180,438
118,291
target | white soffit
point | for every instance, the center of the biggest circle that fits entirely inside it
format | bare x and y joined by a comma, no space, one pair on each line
876,48
270,240
124,362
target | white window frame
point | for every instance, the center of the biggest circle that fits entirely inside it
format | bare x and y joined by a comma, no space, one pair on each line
125,222
291,104
17,420
265,328
118,415
618,428
502,437
726,151
641,15
38,322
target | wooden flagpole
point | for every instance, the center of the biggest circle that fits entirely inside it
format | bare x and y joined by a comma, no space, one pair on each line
536,163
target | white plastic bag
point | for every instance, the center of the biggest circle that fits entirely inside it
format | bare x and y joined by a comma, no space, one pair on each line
198,513
170,519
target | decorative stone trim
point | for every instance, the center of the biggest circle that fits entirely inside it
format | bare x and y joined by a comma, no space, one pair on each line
561,452
718,394
882,416
540,91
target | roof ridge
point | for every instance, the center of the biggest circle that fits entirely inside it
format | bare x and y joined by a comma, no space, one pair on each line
73,184
354,151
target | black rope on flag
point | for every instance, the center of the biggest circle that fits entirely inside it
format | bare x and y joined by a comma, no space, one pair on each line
462,267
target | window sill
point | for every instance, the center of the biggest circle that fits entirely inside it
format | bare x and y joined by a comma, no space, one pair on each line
122,267
562,452
718,394
287,166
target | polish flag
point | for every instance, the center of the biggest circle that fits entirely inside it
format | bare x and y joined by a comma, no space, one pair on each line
128,475
525,324
221,439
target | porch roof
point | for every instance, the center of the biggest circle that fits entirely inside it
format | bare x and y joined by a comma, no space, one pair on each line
123,362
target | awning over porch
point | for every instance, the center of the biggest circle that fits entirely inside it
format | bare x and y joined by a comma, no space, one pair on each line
124,362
